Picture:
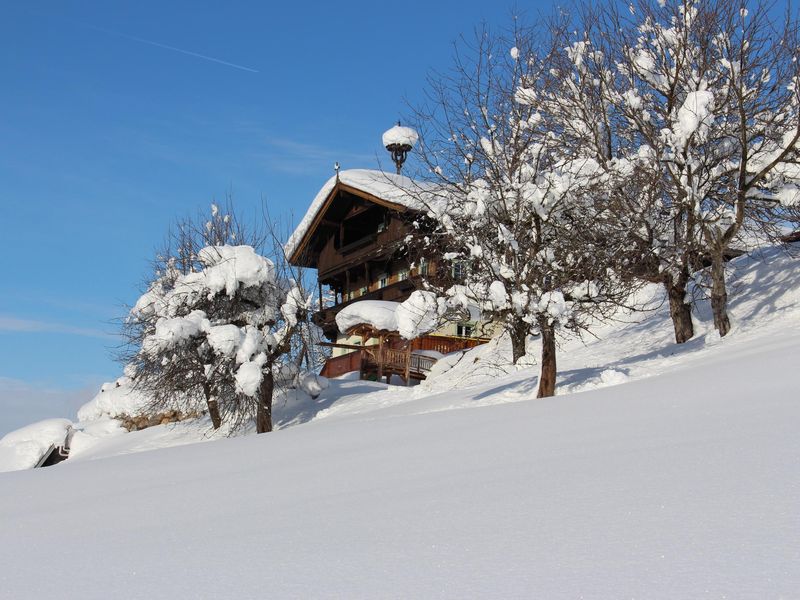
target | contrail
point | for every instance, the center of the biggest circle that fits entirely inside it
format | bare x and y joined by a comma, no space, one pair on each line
14,324
173,48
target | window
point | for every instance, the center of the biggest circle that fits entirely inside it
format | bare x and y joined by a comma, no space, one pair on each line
464,330
423,266
383,280
458,270
363,291
402,275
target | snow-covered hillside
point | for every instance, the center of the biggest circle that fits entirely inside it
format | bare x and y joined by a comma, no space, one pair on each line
674,474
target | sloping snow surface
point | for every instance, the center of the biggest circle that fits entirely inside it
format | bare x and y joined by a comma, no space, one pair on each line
674,474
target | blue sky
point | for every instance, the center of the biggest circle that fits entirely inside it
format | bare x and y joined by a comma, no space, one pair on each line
119,118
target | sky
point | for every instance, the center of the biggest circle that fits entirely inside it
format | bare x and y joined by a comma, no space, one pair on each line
118,118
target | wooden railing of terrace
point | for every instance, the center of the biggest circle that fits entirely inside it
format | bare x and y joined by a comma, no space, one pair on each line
344,363
396,357
446,344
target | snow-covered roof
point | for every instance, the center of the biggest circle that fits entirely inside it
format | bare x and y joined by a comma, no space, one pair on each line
381,315
415,316
389,187
23,448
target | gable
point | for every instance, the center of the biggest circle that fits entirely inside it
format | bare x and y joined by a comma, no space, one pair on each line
343,198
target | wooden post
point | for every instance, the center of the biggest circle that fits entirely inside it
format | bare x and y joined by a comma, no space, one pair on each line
408,364
320,296
380,357
347,286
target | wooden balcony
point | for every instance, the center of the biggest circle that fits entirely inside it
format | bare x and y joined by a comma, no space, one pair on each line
396,291
396,357
333,261
374,361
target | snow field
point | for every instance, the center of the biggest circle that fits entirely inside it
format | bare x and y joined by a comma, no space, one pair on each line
682,485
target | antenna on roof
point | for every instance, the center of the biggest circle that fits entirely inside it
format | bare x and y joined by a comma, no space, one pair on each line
336,168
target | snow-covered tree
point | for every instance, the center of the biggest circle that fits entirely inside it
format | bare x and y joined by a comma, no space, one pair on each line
696,119
507,205
216,330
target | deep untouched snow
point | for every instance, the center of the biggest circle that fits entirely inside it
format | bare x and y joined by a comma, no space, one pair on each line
681,483
655,489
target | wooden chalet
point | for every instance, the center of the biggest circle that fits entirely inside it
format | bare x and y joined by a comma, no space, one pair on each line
353,236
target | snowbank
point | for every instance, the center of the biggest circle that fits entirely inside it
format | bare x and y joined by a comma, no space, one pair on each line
23,448
114,399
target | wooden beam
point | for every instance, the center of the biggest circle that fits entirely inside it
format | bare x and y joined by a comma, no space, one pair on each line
380,357
408,365
337,345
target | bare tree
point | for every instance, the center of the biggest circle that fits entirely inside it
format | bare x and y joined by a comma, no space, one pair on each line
695,106
217,325
509,209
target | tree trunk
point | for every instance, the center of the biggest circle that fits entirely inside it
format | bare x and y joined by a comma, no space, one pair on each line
719,295
264,413
213,407
519,338
679,309
213,412
547,378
